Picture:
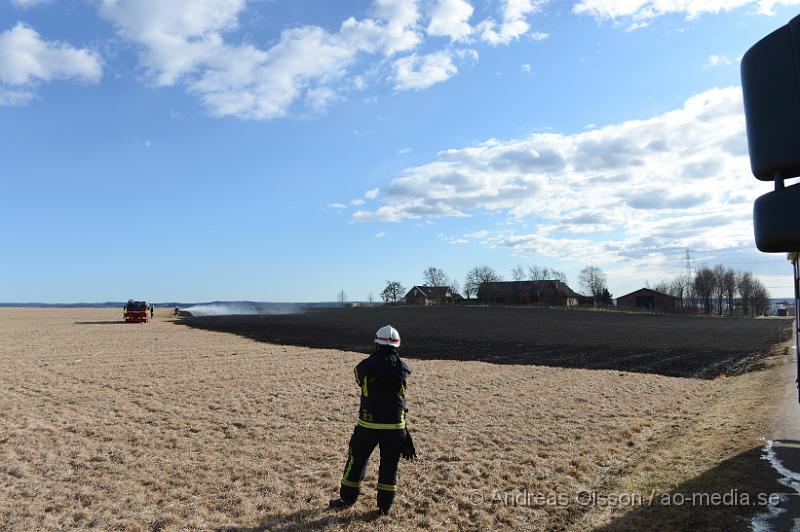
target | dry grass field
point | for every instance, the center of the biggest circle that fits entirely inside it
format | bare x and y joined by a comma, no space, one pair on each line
159,427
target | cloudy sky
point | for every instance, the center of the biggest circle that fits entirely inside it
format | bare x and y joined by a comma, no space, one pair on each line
282,150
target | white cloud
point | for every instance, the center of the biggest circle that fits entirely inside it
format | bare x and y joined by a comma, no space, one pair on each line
403,151
525,68
177,36
416,72
26,59
715,60
357,201
336,206
320,98
15,98
29,3
514,22
380,234
450,18
637,190
400,30
189,43
648,9
372,193
637,26
198,45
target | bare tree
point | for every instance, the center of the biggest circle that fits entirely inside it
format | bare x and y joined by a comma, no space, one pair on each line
745,287
537,273
719,288
455,288
663,287
392,292
341,297
679,288
543,273
518,273
705,282
433,276
593,280
729,287
470,287
477,276
558,276
760,298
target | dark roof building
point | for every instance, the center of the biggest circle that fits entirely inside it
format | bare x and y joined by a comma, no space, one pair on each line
547,292
648,299
432,295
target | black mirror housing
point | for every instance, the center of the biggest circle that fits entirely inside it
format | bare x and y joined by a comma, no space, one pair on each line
771,87
776,220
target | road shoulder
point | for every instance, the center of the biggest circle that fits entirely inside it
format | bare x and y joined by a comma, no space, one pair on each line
722,453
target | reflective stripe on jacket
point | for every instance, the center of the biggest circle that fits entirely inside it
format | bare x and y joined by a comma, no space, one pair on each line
382,380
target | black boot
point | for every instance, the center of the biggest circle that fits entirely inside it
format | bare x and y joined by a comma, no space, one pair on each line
385,500
339,504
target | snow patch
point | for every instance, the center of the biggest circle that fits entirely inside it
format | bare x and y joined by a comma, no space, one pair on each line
763,521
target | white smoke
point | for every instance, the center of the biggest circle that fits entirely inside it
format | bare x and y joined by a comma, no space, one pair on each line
224,309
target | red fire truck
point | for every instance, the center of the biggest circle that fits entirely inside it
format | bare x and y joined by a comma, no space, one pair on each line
135,312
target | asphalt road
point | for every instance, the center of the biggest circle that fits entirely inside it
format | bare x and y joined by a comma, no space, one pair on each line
783,454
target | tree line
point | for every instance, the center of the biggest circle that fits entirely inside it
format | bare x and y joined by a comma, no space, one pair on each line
431,276
716,290
592,280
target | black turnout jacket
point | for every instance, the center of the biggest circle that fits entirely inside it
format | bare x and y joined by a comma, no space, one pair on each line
382,379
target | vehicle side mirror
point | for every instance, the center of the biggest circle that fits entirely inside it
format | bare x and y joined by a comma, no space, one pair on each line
776,220
771,89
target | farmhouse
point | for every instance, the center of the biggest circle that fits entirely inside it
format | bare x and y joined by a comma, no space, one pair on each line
432,295
649,299
547,292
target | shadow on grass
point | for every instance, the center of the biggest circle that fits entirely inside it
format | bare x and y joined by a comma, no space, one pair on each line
301,520
742,484
676,346
725,498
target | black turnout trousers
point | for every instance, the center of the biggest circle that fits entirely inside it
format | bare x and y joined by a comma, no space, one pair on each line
362,443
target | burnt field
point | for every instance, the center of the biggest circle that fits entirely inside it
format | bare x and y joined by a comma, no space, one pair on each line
679,346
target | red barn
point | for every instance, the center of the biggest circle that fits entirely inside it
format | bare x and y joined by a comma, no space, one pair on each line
432,295
550,292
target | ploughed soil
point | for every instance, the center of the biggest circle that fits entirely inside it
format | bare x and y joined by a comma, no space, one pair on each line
678,346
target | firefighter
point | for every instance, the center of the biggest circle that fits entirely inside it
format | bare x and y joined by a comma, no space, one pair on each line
381,422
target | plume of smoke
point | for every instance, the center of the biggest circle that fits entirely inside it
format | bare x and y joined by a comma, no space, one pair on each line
223,309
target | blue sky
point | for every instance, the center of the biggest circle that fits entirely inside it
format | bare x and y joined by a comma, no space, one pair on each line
284,150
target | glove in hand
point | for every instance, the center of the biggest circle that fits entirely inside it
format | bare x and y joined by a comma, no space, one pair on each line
408,451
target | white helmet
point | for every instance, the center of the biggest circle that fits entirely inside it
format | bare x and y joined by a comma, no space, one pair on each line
387,335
